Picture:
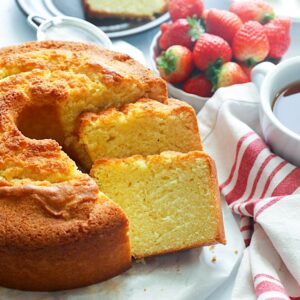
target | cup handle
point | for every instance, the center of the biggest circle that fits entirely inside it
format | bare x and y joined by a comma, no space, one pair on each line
35,21
260,71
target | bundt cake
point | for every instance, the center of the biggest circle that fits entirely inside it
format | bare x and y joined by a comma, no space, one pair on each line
144,127
142,9
171,200
57,231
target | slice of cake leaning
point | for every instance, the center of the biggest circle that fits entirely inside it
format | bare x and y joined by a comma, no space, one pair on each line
171,200
145,127
142,9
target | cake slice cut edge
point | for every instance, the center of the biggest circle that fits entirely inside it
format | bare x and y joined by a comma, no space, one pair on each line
171,200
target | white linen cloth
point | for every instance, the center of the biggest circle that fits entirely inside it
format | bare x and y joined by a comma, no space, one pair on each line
260,187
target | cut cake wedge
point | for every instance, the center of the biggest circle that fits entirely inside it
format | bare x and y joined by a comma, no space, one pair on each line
171,200
145,127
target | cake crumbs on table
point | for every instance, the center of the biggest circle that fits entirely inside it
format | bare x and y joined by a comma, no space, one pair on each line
212,248
214,260
141,261
236,252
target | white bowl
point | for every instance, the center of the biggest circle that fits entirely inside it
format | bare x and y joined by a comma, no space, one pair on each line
195,101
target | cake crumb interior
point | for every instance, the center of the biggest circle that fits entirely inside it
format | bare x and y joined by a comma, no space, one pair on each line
170,204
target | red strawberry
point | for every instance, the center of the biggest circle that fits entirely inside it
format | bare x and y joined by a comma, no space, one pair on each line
164,27
204,15
278,33
250,44
256,10
185,8
208,49
222,23
198,85
164,38
227,74
184,32
176,64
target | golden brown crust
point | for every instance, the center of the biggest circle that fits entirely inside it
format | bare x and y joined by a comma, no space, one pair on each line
65,254
79,57
103,14
62,236
109,61
220,235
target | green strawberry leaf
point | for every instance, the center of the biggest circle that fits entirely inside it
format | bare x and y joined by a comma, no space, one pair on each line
268,17
167,61
202,23
212,73
196,28
250,62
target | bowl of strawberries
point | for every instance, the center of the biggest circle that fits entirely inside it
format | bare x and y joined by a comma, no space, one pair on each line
202,50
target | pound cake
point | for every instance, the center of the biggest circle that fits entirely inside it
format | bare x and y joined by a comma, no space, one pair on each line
171,200
76,78
57,230
142,9
144,127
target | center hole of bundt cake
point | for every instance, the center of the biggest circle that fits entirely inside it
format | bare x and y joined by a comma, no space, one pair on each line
40,122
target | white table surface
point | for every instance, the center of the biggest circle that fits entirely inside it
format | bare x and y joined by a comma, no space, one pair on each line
15,30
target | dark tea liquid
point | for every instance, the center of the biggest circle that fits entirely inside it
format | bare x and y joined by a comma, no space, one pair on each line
286,107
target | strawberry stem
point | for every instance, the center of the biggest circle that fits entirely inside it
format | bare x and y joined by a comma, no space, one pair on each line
213,71
250,62
167,61
267,18
196,28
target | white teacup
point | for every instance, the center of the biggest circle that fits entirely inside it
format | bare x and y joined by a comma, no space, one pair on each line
271,79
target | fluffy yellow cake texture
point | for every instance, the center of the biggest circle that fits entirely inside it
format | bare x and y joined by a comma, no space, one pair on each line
145,127
143,9
171,200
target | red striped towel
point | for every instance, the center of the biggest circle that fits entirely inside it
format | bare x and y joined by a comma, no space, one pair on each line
260,187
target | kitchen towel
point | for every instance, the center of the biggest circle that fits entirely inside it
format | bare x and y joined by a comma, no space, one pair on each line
259,187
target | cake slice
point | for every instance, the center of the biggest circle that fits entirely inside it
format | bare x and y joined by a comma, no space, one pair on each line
142,9
145,127
171,200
